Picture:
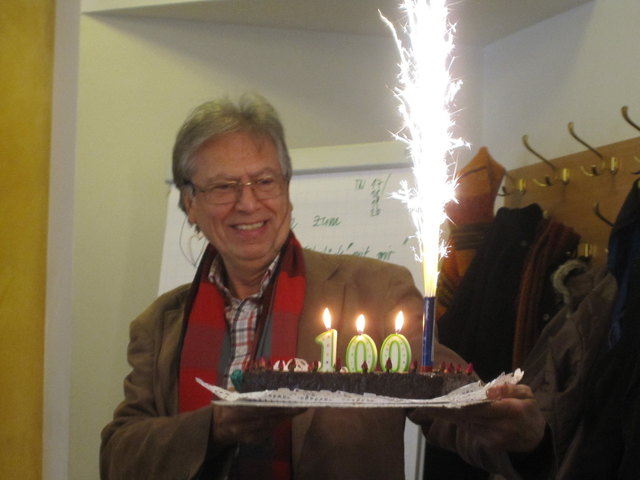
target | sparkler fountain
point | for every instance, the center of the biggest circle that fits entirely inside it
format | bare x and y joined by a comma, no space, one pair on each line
426,93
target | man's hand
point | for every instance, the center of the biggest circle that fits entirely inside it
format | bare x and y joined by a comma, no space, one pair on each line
247,424
512,421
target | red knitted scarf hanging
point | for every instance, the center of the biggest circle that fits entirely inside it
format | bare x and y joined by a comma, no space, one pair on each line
202,347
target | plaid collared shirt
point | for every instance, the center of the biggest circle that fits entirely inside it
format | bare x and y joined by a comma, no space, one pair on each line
241,316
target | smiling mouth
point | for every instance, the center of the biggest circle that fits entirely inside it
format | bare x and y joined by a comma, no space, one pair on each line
249,226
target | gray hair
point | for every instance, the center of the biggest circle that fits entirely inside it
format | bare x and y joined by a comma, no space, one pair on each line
252,114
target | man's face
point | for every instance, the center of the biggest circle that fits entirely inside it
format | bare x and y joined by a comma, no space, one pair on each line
248,232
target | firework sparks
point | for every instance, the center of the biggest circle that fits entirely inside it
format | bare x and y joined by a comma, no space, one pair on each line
426,93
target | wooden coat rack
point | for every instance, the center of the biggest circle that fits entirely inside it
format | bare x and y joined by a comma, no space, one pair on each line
583,190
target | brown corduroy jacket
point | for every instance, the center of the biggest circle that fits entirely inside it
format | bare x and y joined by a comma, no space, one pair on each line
149,438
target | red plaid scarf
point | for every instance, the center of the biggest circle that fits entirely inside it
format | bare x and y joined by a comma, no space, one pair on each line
203,350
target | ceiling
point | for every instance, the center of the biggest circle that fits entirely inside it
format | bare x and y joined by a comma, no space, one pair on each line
479,22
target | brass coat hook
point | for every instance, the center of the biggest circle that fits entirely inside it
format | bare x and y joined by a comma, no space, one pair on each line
625,114
596,210
585,250
548,181
594,171
521,187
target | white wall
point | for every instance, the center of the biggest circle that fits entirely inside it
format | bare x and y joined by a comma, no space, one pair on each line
58,315
580,66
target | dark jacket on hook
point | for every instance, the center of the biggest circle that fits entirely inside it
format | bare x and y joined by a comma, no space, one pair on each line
556,369
588,390
624,251
479,324
612,411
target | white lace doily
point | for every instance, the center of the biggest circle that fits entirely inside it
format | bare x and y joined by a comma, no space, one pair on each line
471,394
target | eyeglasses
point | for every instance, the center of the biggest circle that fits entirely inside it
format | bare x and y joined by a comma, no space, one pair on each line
223,193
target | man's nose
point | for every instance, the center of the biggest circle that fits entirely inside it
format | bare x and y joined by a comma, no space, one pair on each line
246,197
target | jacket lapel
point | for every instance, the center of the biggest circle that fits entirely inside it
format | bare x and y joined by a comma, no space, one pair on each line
323,290
168,362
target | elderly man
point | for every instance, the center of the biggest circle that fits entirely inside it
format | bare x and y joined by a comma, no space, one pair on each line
257,293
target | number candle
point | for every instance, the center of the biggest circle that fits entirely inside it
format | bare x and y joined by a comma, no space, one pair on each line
396,348
361,349
328,341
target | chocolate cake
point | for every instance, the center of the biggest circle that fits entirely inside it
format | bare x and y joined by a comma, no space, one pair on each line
400,385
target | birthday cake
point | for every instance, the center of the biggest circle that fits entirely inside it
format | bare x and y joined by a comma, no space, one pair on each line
413,384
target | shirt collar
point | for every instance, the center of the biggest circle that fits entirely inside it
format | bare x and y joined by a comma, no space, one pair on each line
218,277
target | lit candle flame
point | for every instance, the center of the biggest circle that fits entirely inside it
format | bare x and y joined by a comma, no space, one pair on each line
360,324
425,94
399,321
326,318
